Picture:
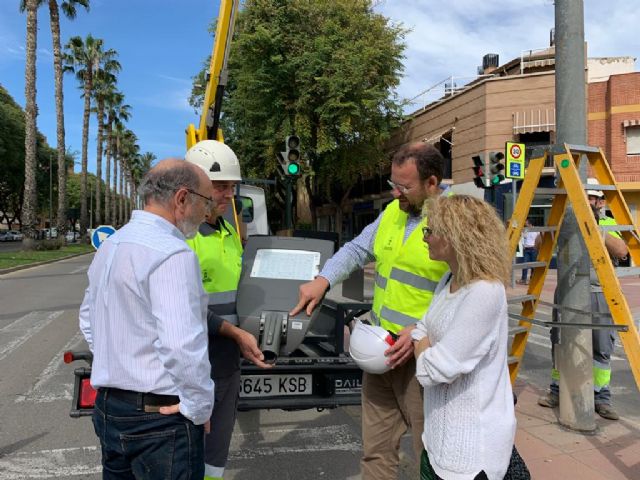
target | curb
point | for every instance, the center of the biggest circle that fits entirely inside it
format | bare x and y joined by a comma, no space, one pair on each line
37,264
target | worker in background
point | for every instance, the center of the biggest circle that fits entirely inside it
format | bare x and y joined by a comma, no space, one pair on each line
530,244
219,249
405,281
602,338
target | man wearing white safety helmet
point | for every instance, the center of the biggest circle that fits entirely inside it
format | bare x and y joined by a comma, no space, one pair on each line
219,250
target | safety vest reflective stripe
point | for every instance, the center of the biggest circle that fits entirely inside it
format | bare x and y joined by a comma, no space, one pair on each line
601,375
213,473
413,280
397,317
220,298
380,280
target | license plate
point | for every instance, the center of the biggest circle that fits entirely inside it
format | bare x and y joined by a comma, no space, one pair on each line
275,385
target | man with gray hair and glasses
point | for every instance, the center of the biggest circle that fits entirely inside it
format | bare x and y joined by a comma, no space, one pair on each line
144,318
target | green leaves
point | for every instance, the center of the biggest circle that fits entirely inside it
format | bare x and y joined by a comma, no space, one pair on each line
325,70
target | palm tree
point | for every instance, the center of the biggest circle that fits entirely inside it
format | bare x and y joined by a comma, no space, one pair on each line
140,166
128,150
104,86
30,113
118,135
69,10
116,111
85,58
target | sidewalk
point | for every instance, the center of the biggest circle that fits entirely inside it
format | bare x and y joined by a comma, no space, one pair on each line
553,452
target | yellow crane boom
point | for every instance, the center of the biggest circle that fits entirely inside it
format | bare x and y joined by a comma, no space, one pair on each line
216,78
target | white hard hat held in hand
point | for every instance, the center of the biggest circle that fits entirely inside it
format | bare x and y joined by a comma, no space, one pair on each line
367,346
216,159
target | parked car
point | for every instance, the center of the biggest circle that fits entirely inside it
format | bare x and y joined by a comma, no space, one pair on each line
3,236
14,236
72,236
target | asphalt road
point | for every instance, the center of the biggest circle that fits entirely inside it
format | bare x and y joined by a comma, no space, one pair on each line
38,440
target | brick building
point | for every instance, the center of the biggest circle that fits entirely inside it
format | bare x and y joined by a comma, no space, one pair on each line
513,102
614,125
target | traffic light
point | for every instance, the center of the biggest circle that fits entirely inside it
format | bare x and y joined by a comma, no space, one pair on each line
478,170
496,168
292,155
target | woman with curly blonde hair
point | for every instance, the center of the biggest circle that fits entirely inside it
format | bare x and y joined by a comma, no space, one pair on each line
461,345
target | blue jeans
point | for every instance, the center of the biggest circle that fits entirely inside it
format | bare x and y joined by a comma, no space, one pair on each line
137,445
528,255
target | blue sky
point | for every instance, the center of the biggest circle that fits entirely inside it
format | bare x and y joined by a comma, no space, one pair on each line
162,44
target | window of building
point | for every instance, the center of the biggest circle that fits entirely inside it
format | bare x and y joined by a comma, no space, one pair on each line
444,145
537,139
632,134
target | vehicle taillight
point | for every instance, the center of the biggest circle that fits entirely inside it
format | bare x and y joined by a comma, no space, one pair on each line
68,357
87,394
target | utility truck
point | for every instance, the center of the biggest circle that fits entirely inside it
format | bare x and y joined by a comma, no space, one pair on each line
311,367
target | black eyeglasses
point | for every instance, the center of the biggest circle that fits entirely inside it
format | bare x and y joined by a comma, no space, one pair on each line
209,202
427,231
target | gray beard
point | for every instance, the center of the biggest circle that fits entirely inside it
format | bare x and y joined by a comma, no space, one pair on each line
188,228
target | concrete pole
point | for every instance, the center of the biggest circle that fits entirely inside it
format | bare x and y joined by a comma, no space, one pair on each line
574,354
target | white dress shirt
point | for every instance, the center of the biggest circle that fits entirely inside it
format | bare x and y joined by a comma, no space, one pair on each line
144,316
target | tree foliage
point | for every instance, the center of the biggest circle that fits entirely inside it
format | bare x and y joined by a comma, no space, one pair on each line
325,70
12,157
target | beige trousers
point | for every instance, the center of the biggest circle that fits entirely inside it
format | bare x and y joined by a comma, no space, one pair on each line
391,404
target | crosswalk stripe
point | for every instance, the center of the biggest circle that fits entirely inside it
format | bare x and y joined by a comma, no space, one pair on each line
24,328
84,461
57,463
298,440
45,390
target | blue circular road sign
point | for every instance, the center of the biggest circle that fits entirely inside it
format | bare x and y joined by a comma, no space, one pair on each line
100,234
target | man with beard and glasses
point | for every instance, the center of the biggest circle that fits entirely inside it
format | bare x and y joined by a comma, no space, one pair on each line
144,318
404,284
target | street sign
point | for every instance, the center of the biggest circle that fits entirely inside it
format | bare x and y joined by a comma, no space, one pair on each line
100,234
515,160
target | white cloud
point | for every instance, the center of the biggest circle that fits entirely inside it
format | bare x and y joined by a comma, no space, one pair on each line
449,38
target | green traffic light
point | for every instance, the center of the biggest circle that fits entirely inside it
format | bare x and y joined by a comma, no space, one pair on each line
293,169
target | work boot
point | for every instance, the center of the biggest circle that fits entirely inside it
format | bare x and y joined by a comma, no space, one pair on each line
606,411
549,400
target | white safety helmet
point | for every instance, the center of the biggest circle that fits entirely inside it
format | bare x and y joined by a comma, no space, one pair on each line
594,193
216,159
367,345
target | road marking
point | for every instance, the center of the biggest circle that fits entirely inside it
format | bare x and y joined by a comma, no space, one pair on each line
24,328
85,461
41,391
80,269
57,463
247,446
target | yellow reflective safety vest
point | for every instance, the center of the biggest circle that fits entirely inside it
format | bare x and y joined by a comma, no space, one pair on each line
405,275
219,252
